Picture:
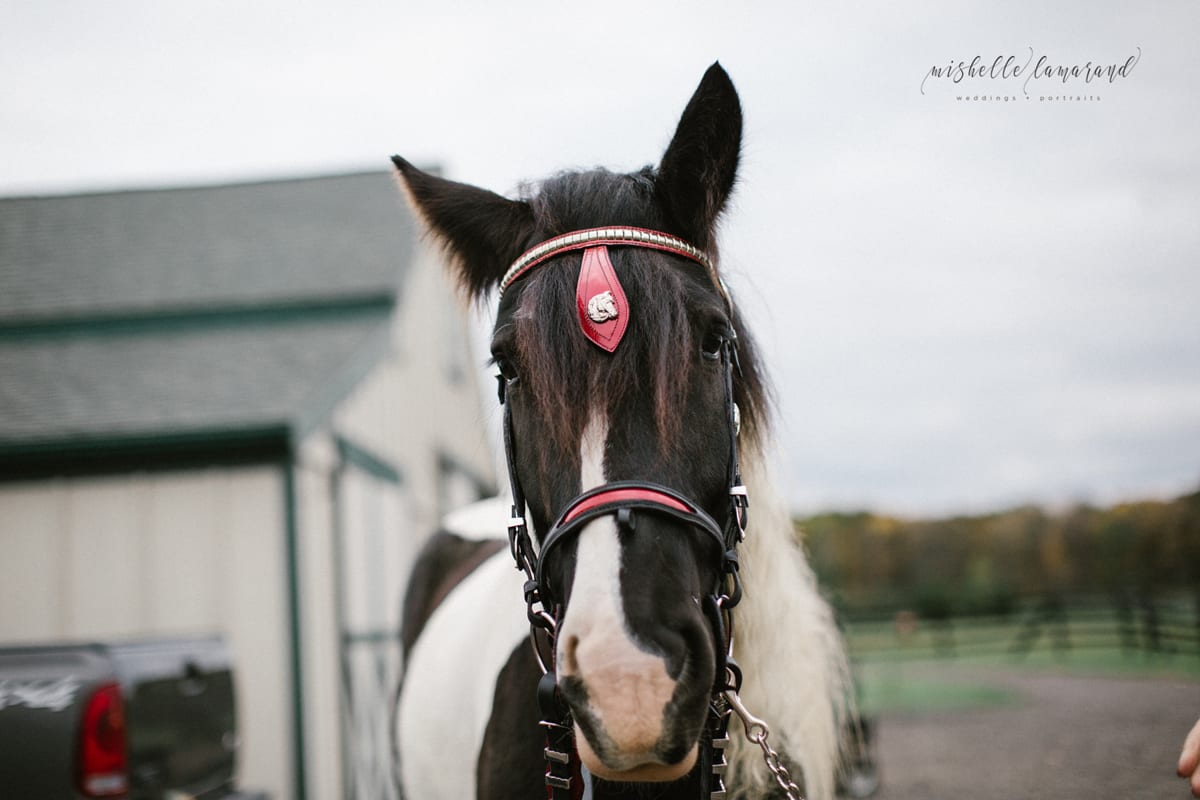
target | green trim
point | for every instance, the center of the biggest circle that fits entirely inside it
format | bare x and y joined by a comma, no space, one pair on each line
292,545
345,726
363,458
141,452
180,320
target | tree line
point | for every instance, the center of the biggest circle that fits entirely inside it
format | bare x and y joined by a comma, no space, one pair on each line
992,564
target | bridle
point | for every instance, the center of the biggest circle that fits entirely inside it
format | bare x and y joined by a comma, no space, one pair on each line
626,501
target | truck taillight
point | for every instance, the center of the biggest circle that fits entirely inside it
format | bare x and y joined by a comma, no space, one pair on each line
103,748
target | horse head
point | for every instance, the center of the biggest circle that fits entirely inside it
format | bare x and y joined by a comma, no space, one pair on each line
619,369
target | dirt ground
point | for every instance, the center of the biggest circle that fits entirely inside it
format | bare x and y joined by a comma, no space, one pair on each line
1067,737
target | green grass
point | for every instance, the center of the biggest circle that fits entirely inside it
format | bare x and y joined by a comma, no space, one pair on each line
887,688
1090,643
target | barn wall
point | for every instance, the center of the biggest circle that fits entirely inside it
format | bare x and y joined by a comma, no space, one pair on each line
318,617
374,555
419,413
421,406
156,555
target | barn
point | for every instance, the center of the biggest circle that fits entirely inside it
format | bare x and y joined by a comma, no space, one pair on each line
235,409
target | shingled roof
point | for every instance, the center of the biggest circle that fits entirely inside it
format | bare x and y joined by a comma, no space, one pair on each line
195,317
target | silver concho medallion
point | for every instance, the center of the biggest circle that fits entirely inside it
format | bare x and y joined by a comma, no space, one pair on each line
602,307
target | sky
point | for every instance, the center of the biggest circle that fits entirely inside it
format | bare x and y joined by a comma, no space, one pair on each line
964,304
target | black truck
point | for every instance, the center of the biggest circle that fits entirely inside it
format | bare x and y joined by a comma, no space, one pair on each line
142,720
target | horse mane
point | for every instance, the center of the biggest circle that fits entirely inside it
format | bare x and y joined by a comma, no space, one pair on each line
795,671
659,344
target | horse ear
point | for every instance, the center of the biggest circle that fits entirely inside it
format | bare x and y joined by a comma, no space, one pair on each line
482,231
698,170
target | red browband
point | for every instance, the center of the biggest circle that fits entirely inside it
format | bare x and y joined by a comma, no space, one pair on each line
611,236
602,306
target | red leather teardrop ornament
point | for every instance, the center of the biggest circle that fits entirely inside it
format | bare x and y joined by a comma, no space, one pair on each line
600,299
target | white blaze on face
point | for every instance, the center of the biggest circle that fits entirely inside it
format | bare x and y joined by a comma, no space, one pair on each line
628,688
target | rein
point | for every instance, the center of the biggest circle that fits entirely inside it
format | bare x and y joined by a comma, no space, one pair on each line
603,313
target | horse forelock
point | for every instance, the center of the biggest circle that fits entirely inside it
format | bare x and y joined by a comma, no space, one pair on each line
570,380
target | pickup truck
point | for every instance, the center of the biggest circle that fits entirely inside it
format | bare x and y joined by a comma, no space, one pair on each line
130,720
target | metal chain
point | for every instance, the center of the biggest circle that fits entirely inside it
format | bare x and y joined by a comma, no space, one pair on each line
778,770
757,732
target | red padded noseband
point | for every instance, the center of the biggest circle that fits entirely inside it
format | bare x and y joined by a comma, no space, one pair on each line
625,496
621,500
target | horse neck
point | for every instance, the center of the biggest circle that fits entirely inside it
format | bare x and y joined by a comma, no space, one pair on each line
795,672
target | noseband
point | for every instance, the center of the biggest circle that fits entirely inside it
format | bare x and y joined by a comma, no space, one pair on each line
626,501
623,500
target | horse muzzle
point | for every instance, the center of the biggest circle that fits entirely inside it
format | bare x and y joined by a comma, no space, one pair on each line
646,772
625,708
637,689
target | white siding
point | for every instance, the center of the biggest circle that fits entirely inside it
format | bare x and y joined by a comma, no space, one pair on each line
185,539
255,603
104,581
161,554
424,400
318,619
355,552
419,405
375,559
33,561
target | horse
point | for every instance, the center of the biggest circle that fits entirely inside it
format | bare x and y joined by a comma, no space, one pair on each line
636,421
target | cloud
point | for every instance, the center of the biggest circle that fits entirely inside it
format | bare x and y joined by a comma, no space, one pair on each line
963,304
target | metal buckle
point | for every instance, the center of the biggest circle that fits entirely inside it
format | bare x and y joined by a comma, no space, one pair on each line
555,755
555,782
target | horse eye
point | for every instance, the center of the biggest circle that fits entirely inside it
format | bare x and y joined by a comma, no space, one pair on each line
506,369
710,345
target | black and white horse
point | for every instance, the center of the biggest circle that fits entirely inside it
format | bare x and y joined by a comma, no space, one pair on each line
634,403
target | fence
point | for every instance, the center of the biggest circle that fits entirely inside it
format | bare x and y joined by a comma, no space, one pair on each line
1128,626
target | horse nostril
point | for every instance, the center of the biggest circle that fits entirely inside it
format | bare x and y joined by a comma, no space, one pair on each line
569,665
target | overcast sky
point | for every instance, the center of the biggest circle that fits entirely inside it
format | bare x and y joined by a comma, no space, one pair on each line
965,304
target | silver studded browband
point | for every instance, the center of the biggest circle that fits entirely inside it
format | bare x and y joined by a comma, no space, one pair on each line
596,237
